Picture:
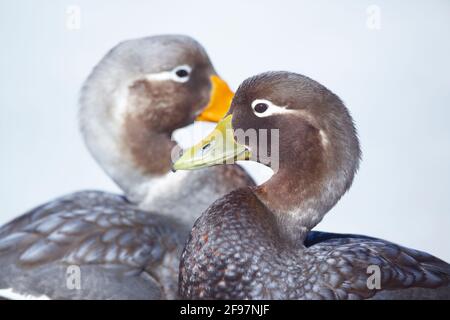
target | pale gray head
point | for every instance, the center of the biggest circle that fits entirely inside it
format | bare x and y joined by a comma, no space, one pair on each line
137,95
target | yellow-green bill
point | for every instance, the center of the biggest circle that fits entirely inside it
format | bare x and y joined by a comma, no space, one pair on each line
219,147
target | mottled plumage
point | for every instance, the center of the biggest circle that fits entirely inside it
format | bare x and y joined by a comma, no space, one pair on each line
123,252
235,252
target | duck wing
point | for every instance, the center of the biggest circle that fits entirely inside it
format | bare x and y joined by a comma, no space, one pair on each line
73,201
90,245
314,237
347,268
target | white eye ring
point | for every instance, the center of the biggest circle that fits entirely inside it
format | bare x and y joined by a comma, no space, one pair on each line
171,75
270,108
179,78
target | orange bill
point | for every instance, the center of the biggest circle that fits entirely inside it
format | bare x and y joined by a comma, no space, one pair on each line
219,102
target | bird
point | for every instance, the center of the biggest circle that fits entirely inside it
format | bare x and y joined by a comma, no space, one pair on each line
98,245
250,244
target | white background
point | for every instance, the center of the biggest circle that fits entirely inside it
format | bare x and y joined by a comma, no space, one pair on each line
395,81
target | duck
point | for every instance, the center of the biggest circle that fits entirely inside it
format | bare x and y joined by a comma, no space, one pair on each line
250,244
99,245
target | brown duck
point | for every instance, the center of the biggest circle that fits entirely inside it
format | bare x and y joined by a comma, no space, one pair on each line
250,243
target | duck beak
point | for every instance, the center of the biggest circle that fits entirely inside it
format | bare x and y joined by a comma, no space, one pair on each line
219,101
219,147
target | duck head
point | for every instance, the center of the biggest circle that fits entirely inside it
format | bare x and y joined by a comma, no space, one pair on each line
138,94
301,130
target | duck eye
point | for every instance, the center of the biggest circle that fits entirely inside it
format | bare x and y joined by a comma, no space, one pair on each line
261,107
182,73
265,108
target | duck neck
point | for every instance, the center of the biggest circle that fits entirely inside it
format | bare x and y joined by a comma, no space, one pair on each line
136,156
302,191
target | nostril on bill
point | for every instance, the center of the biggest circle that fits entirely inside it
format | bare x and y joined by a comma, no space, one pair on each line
176,154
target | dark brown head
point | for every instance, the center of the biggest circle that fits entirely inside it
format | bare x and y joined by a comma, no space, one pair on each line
311,120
